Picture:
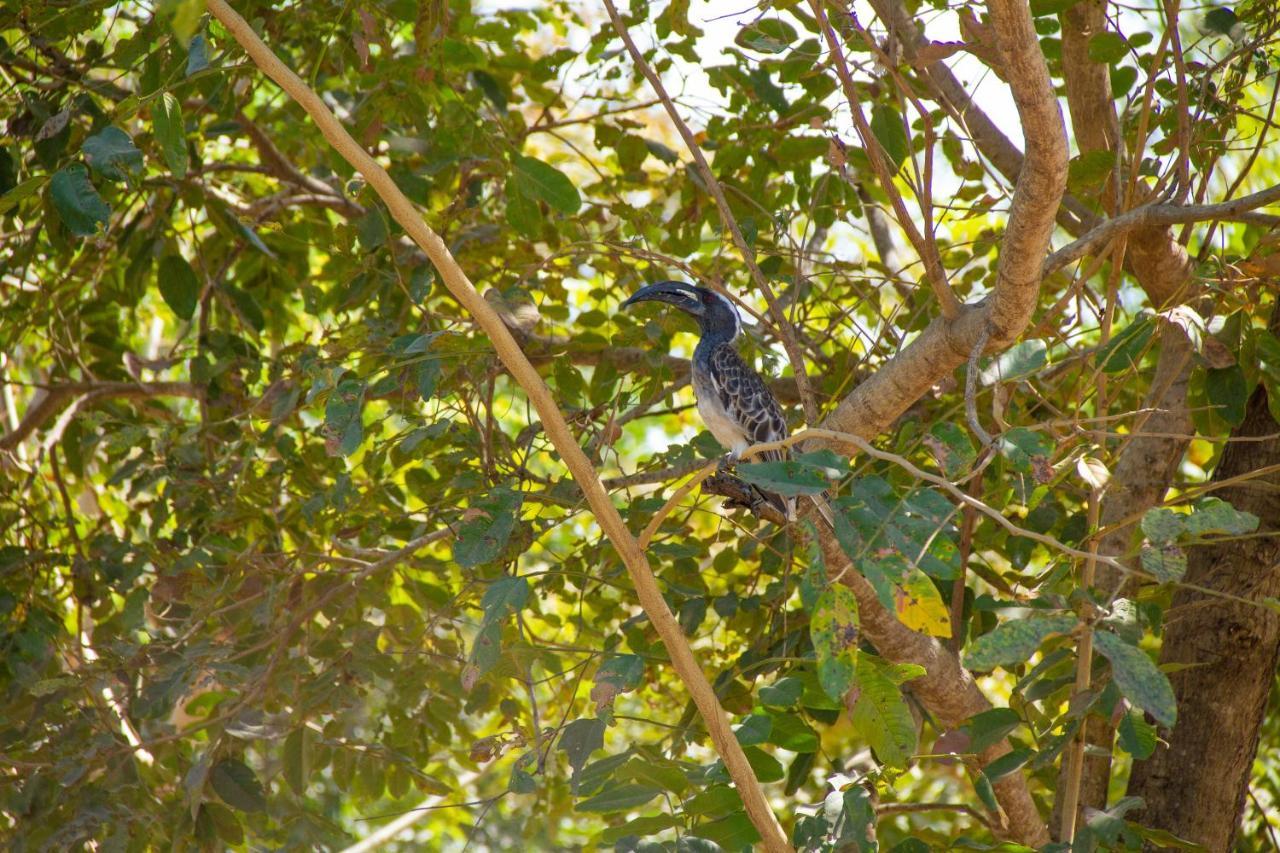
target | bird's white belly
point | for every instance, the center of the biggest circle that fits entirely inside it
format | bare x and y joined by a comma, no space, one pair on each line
724,428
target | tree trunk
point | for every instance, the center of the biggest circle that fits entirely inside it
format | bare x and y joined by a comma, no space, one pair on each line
1196,787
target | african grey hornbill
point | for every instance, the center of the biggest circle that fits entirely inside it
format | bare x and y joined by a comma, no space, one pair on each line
733,400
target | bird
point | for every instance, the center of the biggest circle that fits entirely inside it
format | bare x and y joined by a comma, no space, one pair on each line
733,401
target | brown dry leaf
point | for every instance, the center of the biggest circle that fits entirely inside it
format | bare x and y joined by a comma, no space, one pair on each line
936,51
1216,354
361,45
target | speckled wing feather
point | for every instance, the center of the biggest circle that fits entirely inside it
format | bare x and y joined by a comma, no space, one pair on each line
747,399
750,403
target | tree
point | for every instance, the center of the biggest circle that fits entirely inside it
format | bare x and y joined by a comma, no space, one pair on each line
307,540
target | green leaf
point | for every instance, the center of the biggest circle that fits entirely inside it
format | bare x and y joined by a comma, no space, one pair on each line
640,828
783,693
834,630
1227,392
1123,78
21,193
299,749
504,597
755,729
1015,641
766,35
372,229
735,832
78,204
619,798
1007,763
482,538
344,425
789,731
225,823
581,738
171,132
523,213
790,478
112,154
236,784
766,767
1125,350
990,727
1044,8
1137,736
986,793
1162,525
1090,169
179,286
887,126
1166,562
545,182
1107,48
197,54
664,773
1214,516
857,821
1016,362
183,16
881,715
716,801
1138,678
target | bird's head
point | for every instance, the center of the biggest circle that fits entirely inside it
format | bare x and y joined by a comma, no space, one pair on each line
712,311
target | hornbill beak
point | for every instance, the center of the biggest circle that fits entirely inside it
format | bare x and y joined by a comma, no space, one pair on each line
676,293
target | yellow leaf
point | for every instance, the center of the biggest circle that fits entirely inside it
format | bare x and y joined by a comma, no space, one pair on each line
920,607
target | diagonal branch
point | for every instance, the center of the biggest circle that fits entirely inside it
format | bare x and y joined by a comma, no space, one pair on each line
632,556
786,331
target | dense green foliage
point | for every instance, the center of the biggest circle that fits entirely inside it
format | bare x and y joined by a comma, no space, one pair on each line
284,551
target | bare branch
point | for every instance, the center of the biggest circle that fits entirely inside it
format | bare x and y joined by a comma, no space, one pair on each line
1158,216
49,400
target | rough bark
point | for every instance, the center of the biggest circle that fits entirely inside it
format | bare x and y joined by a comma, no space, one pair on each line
1196,786
1163,269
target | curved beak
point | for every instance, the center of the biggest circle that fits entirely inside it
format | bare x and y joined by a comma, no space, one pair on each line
675,293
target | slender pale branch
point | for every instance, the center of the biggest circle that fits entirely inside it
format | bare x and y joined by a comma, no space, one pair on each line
1149,215
633,557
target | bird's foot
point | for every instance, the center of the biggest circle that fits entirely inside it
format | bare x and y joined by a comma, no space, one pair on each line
726,462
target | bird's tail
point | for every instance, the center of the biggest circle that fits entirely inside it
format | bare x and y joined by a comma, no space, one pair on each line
784,505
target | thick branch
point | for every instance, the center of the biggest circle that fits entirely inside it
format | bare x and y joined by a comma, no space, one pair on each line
655,606
948,690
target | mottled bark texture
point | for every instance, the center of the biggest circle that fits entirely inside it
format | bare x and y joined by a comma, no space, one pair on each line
1196,787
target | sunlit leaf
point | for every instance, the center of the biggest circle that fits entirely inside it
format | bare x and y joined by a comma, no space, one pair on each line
1138,678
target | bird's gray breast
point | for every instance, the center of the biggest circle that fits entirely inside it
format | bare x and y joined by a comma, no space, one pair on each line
722,425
